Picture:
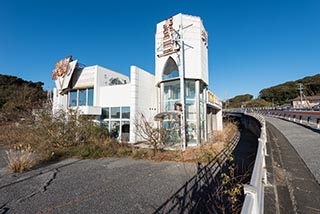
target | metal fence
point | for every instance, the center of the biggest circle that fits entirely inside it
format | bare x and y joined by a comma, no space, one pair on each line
194,195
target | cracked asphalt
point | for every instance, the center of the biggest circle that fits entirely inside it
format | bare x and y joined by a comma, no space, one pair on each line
109,185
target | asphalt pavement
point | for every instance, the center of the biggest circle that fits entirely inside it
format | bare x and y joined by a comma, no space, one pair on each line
109,185
306,141
293,185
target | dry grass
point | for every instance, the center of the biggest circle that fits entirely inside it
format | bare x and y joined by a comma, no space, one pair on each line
20,159
228,133
203,153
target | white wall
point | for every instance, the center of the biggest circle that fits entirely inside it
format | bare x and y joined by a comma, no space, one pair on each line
196,52
60,102
103,76
114,96
143,98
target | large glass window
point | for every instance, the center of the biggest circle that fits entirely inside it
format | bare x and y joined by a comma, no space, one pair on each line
171,94
117,119
115,112
191,110
82,97
73,98
90,96
190,89
105,113
115,129
125,112
191,132
125,130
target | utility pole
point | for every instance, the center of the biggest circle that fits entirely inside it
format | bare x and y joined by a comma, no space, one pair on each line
182,84
182,89
301,94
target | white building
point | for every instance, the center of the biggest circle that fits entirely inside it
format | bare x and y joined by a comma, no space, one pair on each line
179,86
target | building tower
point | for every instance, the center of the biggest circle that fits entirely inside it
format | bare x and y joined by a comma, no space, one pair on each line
182,73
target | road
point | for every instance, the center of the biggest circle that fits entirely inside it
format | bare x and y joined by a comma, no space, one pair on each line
108,185
305,141
293,168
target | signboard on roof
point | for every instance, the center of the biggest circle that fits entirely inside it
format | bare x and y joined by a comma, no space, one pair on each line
62,73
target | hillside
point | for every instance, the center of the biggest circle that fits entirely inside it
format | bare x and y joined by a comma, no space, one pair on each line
278,94
283,93
18,97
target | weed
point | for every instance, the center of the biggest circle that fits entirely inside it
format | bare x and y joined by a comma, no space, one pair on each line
20,159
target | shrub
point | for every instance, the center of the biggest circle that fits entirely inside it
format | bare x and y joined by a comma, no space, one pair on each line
20,159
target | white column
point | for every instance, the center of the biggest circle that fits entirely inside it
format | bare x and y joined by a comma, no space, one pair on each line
205,114
198,117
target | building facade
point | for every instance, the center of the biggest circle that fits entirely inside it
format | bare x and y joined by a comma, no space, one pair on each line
306,102
179,87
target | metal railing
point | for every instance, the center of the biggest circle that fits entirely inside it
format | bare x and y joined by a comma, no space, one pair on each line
311,119
254,192
193,196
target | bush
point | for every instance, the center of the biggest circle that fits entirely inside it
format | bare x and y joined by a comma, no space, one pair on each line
20,159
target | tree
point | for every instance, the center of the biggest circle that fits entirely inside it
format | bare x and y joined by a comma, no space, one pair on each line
153,135
285,92
19,97
239,100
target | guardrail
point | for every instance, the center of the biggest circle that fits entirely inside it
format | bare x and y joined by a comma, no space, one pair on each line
302,117
254,192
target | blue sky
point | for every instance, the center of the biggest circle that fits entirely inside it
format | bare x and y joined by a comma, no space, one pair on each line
253,44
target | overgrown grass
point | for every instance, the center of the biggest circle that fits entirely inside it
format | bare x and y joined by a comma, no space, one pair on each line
20,158
44,139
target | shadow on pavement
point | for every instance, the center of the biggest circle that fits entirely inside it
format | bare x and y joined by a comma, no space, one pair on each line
204,192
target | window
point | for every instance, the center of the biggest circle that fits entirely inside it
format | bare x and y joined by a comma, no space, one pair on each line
73,98
170,70
115,112
105,113
90,96
190,89
125,112
173,74
171,94
172,90
82,97
115,129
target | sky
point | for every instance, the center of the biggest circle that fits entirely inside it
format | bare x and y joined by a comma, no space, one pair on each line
253,44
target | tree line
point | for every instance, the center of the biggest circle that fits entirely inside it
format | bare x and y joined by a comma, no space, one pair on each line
18,97
277,95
